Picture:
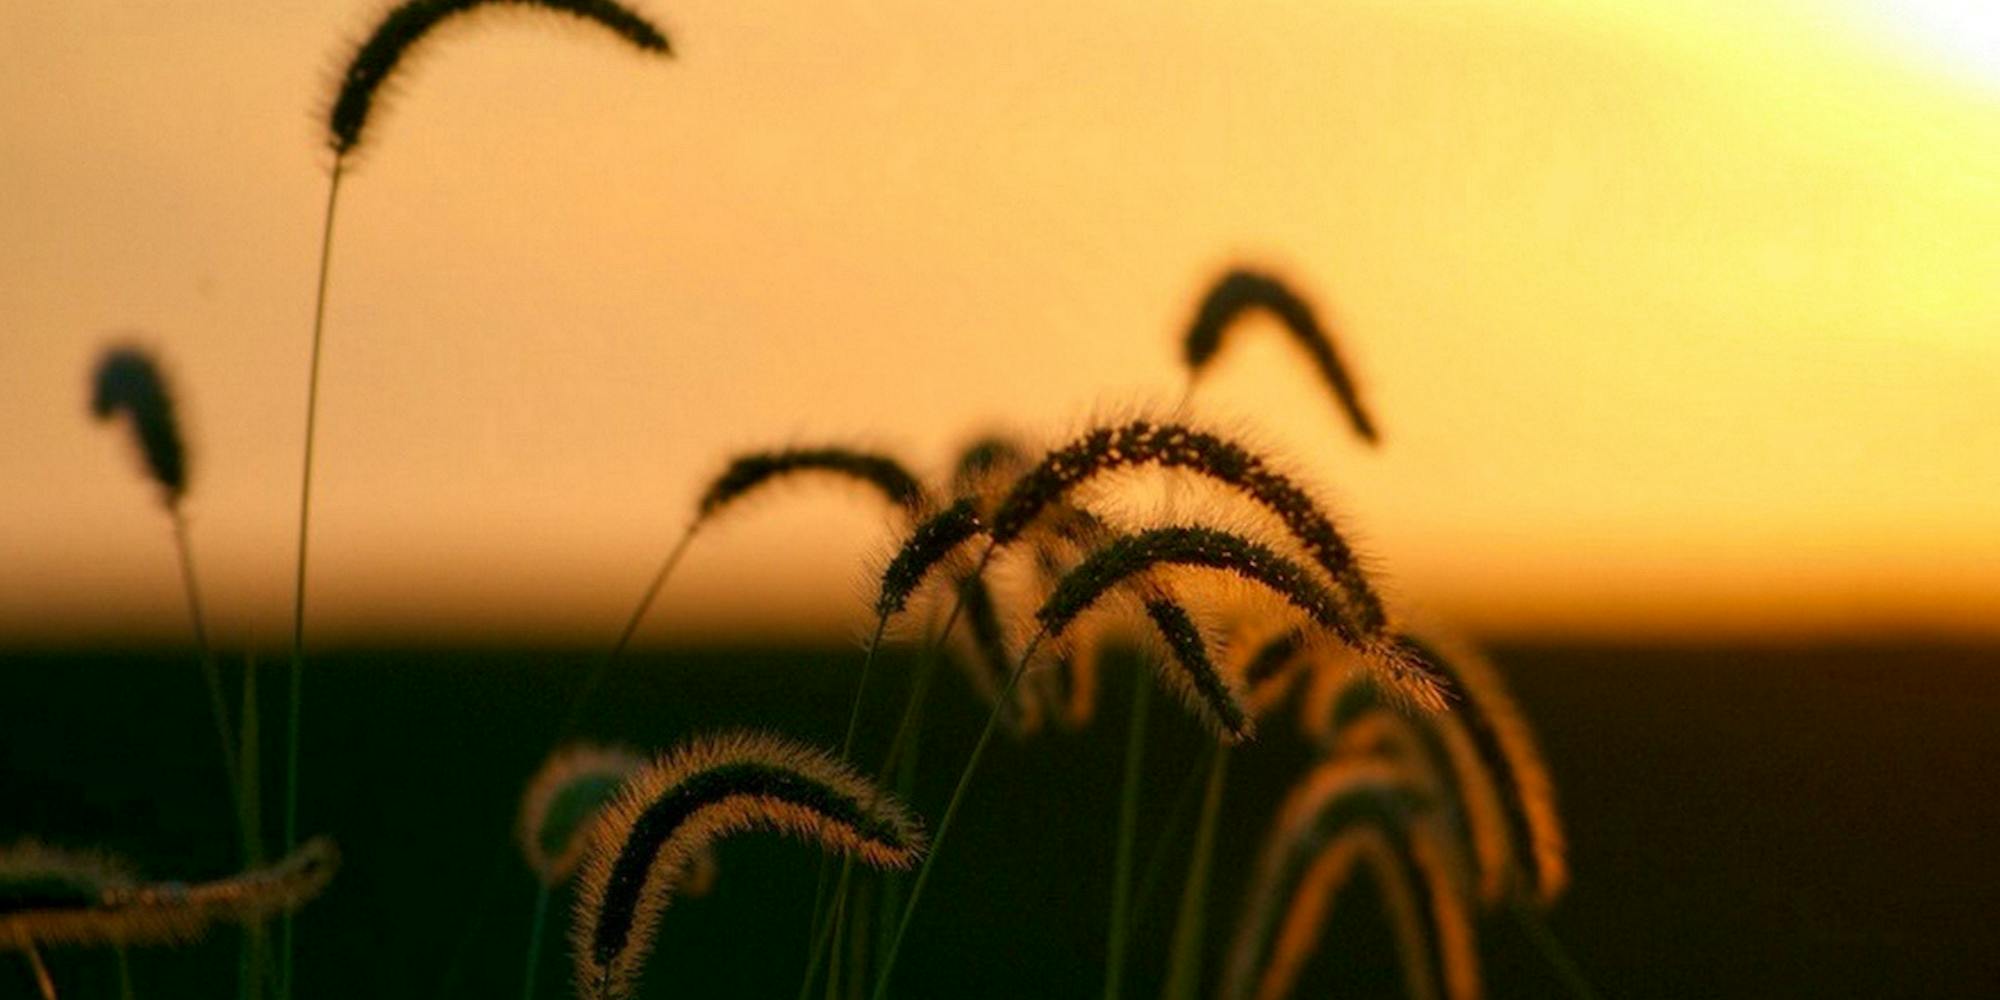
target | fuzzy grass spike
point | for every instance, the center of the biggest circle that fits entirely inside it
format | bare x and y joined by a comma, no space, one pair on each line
1241,291
710,788
1504,754
406,25
749,471
67,898
1133,555
1309,856
1173,445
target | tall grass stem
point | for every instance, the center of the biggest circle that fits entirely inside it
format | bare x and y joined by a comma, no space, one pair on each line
535,927
950,813
1552,949
296,696
211,674
1184,961
1128,822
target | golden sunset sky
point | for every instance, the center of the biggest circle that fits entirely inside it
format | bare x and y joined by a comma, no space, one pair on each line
1682,318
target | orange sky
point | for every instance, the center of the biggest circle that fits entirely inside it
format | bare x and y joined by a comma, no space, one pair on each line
1682,319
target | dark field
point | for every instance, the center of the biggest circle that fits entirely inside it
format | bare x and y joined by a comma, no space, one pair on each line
1755,824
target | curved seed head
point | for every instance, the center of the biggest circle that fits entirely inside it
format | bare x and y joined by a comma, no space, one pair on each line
562,800
643,846
408,23
1505,745
935,539
748,472
1215,698
1242,290
1344,813
83,900
128,382
1173,445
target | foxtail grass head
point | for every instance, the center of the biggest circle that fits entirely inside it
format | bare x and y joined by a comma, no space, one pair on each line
409,23
128,383
1177,445
1345,814
562,800
1132,556
748,472
1242,290
1490,750
67,898
643,845
933,541
1192,674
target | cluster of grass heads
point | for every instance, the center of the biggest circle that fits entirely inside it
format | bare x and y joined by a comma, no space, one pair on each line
1428,783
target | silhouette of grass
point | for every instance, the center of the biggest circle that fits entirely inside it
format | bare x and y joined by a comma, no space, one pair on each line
1307,859
56,897
1180,446
689,798
1129,556
407,24
1243,290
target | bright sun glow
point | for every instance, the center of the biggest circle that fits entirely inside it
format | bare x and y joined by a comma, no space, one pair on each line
1966,33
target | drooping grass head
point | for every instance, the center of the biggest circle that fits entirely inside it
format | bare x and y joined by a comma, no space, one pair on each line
562,800
61,897
1346,815
408,23
931,543
1242,290
748,472
1176,445
1128,556
643,845
128,382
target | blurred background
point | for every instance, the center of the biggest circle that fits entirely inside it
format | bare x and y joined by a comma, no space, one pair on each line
1681,320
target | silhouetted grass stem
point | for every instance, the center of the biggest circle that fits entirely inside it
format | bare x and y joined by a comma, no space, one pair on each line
1184,960
295,698
950,813
1128,822
534,961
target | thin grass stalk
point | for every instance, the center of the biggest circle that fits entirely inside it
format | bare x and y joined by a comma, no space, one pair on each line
233,750
296,698
905,731
581,700
833,967
1530,918
534,963
249,768
211,674
824,930
124,974
1184,961
891,897
906,728
1128,822
43,982
858,943
1170,835
950,812
815,938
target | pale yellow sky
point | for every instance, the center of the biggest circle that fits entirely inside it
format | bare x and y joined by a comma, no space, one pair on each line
1680,318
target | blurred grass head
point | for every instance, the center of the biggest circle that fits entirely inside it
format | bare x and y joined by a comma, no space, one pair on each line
57,897
128,383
